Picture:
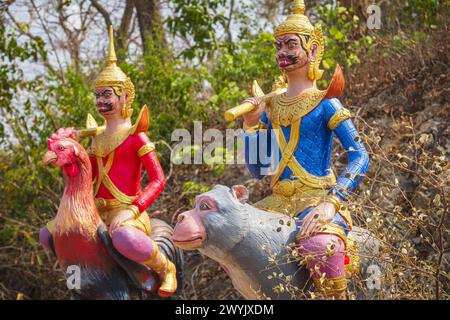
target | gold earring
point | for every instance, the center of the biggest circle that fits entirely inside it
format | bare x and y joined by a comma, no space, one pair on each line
311,71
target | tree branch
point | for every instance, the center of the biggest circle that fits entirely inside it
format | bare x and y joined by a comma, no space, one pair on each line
103,12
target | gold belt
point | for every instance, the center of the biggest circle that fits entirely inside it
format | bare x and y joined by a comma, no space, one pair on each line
108,204
288,188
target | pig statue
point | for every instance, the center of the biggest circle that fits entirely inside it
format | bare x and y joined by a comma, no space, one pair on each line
252,244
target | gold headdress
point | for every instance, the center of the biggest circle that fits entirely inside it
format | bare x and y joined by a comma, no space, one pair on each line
298,23
113,76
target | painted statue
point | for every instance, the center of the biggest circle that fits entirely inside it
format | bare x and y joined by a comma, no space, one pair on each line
252,244
117,153
297,122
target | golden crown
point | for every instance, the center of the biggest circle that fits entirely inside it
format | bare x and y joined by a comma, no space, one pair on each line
297,22
113,76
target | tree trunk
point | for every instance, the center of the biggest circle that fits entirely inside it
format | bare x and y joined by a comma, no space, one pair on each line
149,20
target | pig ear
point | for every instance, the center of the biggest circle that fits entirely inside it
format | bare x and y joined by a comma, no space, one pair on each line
240,192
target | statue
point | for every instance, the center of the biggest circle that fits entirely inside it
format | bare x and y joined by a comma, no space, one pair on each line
117,154
303,121
252,244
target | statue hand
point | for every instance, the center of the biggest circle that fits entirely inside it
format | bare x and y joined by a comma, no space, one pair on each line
123,216
252,118
320,215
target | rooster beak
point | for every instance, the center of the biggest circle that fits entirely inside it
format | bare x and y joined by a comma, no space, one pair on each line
49,157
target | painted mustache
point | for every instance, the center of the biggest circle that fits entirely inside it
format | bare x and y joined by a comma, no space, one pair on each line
288,60
104,107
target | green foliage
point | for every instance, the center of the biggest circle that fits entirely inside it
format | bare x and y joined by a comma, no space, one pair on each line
168,87
32,109
231,79
421,13
216,162
196,21
343,42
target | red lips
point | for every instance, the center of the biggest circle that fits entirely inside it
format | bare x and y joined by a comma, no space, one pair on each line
104,107
284,62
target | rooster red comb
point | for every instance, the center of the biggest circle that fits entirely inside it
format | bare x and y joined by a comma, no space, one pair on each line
61,133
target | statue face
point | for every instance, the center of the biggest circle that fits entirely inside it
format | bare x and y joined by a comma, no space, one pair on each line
109,104
290,54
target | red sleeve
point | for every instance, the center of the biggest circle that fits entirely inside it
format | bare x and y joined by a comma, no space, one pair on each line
157,179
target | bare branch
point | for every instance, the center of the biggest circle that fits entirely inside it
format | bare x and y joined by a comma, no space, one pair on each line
103,12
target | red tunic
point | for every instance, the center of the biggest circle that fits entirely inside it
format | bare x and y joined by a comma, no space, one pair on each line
126,170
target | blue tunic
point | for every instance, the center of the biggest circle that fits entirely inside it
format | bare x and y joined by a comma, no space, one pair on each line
314,148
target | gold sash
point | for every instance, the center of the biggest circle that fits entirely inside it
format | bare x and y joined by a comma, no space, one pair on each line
288,160
107,182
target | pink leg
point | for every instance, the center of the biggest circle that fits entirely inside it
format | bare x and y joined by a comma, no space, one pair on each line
45,238
325,253
133,243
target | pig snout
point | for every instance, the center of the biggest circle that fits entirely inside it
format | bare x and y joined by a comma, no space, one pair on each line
189,232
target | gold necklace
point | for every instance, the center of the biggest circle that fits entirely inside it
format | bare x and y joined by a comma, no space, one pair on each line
103,145
284,110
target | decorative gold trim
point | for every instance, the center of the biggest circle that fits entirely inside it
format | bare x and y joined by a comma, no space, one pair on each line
103,170
283,201
331,286
146,148
262,125
338,117
330,228
353,253
335,201
284,110
287,150
345,213
103,145
153,256
250,129
297,22
51,226
136,212
116,193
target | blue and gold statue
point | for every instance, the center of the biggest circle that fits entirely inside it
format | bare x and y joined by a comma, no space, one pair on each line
297,122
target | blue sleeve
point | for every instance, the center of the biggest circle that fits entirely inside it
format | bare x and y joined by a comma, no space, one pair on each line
257,149
358,158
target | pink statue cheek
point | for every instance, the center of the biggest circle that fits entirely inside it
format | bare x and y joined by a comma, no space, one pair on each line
72,170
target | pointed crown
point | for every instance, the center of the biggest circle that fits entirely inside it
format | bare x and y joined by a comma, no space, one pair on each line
113,76
297,22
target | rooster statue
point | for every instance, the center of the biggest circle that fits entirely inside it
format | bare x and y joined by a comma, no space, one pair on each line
80,238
